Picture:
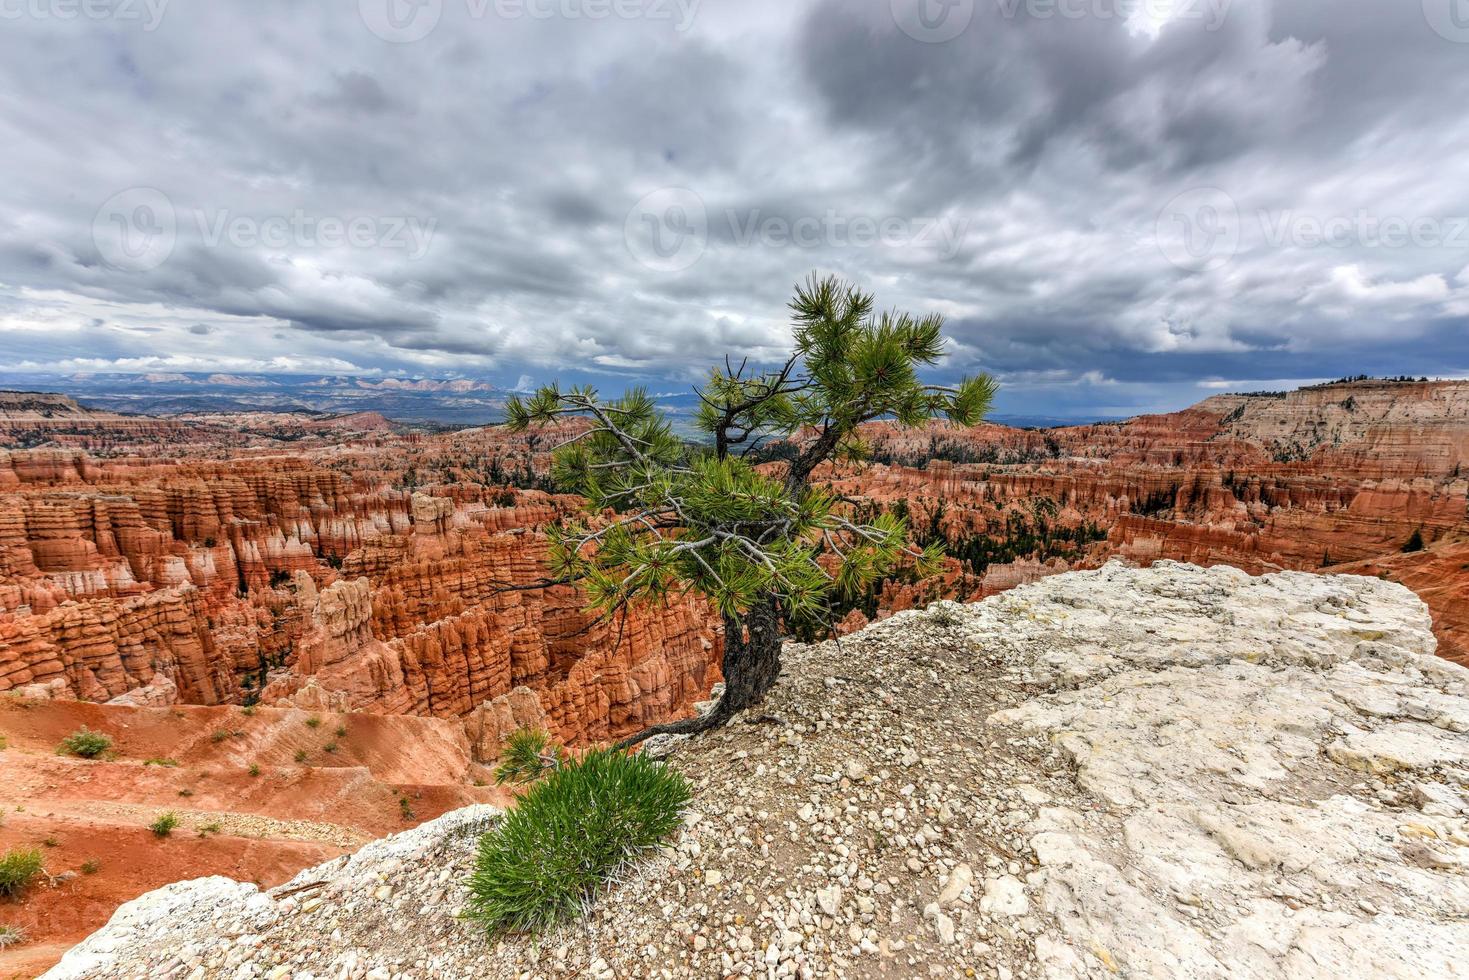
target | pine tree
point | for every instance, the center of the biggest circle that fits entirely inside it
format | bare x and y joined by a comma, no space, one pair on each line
770,549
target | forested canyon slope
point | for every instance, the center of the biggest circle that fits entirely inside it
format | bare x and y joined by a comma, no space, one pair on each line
278,608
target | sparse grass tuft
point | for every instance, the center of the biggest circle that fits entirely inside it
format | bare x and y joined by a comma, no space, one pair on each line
165,824
213,827
329,747
91,866
565,837
528,755
167,763
943,616
313,722
17,870
51,842
300,755
11,936
341,731
85,743
254,769
248,710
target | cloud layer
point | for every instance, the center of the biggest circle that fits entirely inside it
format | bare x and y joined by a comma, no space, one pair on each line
1117,203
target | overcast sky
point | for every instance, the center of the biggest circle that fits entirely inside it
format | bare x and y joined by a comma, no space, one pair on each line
1118,204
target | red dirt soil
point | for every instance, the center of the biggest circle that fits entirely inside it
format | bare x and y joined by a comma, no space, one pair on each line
383,775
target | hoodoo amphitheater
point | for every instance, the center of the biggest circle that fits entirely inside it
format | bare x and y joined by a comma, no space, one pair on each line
307,632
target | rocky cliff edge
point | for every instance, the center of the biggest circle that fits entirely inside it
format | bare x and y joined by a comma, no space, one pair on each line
1165,772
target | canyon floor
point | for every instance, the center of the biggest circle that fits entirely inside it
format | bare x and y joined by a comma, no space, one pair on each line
1139,772
247,807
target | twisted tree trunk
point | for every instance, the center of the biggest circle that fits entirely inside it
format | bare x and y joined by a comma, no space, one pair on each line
751,665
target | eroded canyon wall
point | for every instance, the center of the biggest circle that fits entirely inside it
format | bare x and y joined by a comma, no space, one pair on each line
1337,477
279,579
383,570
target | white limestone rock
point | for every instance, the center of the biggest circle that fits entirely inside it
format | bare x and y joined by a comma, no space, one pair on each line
1234,734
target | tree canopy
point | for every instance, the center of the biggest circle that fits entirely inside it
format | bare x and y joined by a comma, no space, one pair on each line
705,518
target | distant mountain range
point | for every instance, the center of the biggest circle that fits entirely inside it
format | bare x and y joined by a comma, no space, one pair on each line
453,401
446,401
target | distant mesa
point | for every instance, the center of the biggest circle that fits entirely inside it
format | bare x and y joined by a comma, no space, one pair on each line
237,381
457,386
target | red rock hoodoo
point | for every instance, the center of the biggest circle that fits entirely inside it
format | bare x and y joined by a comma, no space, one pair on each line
1341,477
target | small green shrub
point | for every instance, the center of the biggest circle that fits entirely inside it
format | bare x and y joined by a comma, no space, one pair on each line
300,755
254,769
329,747
551,853
17,870
405,808
85,743
213,827
248,710
166,763
527,755
91,866
341,731
11,936
313,722
165,824
943,616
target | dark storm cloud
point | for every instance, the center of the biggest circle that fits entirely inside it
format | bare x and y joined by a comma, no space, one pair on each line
1097,204
1199,92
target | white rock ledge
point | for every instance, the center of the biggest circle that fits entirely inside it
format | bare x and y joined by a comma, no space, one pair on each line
1278,764
218,910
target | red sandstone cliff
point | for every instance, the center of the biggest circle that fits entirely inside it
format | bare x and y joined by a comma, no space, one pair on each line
1336,476
369,571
